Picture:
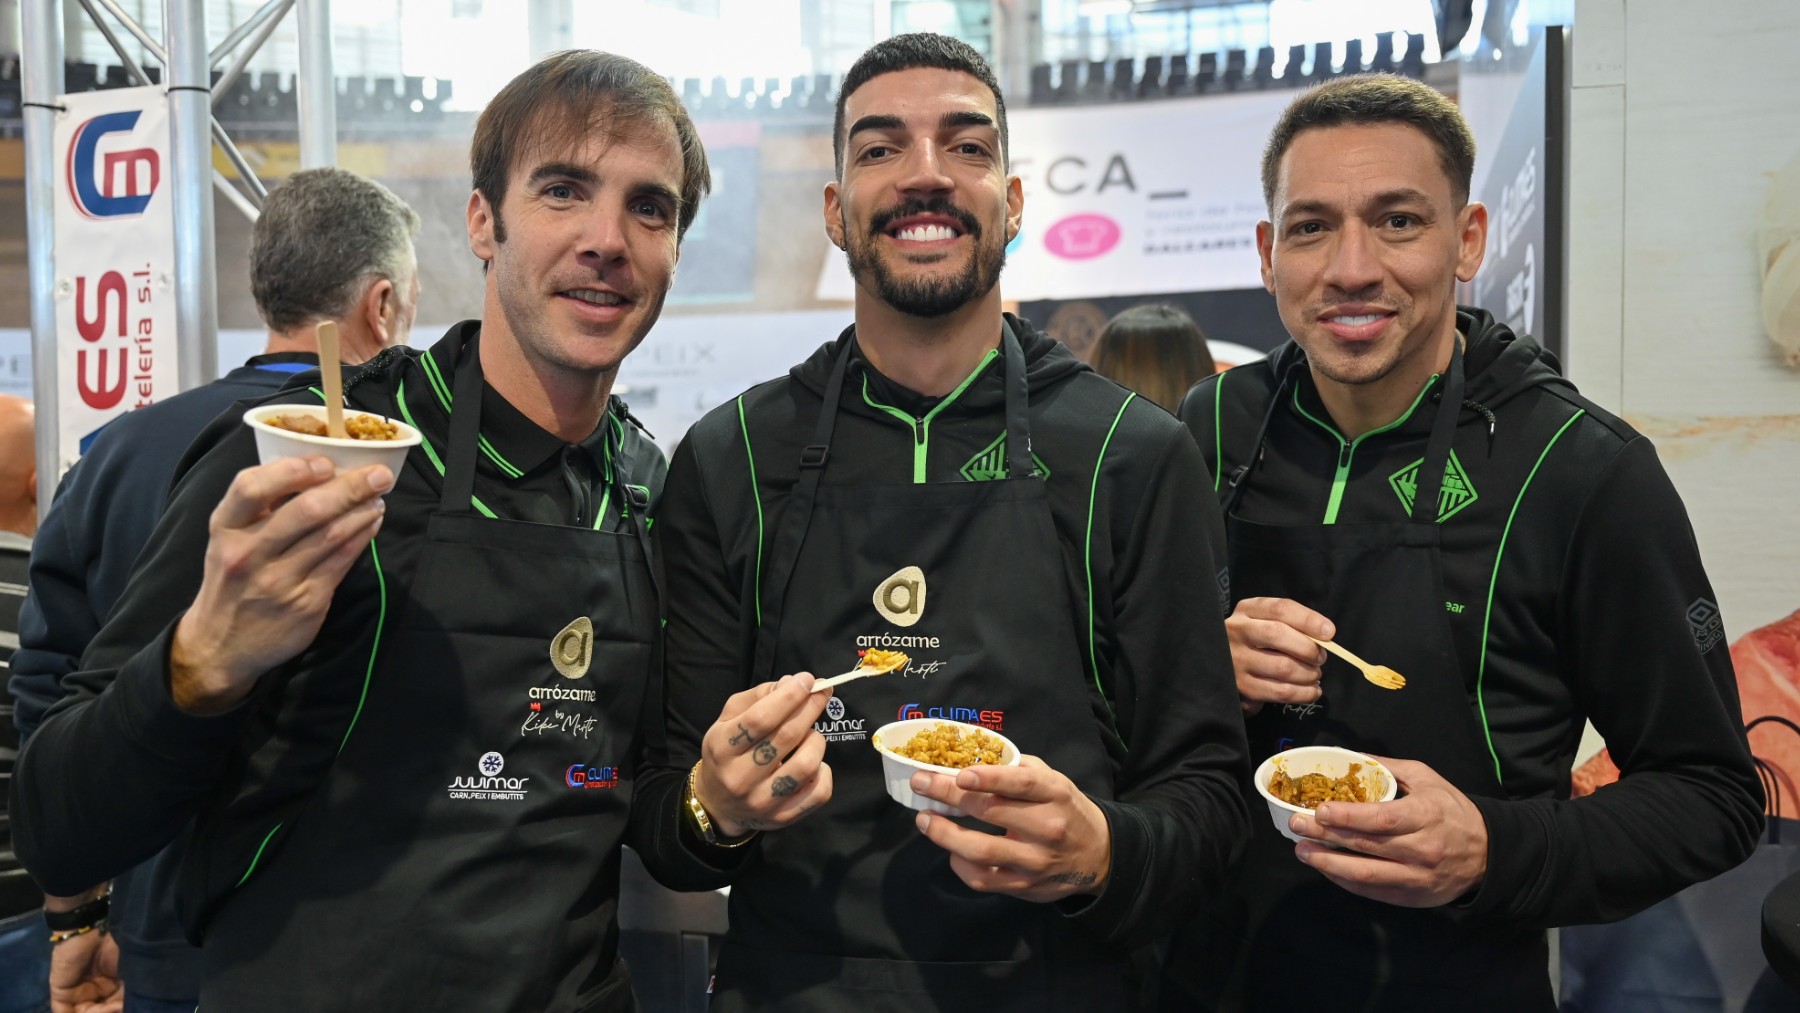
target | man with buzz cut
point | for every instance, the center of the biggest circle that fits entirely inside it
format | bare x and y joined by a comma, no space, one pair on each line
1412,479
397,720
947,481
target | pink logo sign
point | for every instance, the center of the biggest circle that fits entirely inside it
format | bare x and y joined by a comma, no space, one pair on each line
1082,237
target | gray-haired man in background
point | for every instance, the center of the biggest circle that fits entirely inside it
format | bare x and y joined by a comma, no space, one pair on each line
329,245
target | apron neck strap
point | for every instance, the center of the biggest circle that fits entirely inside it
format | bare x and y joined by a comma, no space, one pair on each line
465,428
1239,479
1430,482
1018,401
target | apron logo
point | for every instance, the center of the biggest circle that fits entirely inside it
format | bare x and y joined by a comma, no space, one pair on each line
1708,627
581,775
989,463
837,726
488,785
901,598
1457,491
992,720
572,650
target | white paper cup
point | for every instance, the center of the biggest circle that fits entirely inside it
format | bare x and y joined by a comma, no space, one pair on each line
274,443
1332,761
898,770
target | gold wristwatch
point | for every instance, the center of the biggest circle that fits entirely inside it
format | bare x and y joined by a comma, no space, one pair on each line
701,821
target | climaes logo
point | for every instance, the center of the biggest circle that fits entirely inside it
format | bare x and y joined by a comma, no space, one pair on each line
125,180
581,775
989,719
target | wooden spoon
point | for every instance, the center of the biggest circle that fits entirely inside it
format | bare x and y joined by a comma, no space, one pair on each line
334,380
1380,675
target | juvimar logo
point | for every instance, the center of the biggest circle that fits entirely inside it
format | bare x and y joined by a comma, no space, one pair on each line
572,650
901,598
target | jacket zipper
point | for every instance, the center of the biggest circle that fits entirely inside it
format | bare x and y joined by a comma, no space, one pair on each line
1347,448
921,425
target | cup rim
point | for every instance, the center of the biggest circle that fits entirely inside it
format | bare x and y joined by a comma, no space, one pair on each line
1264,769
880,747
254,418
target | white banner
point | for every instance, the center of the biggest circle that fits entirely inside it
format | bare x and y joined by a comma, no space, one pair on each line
691,363
115,260
1132,198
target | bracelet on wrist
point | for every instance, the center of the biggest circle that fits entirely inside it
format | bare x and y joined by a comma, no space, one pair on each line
68,934
701,822
79,918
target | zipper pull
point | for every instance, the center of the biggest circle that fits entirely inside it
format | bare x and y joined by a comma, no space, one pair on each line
919,430
1344,455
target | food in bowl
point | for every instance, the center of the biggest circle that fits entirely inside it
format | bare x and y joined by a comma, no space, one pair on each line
1308,790
296,438
356,427
947,745
1332,764
897,769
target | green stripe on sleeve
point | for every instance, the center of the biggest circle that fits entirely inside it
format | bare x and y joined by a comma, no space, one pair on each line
756,496
1218,432
1487,619
1088,553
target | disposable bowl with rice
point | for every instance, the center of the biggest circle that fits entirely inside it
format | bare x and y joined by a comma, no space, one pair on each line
291,430
954,744
1321,773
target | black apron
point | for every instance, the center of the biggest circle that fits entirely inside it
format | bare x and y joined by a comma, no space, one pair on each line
462,852
853,908
1285,937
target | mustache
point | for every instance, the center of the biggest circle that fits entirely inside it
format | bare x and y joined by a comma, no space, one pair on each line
879,223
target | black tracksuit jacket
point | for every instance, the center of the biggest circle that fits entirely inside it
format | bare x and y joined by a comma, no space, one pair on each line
1180,818
1574,590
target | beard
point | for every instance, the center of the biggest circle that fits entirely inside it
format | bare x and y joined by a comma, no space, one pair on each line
931,296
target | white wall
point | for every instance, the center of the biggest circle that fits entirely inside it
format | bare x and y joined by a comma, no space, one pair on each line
1681,114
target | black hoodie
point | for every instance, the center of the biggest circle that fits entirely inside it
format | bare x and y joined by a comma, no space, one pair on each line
1574,590
1155,559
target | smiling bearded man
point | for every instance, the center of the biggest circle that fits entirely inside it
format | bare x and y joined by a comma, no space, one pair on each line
944,479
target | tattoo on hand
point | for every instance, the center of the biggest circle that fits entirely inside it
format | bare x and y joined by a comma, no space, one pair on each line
756,825
741,737
1075,878
765,753
784,786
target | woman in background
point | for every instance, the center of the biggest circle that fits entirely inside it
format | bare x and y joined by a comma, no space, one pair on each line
1156,350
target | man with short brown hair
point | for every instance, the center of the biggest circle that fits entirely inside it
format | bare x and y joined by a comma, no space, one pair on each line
399,722
1410,477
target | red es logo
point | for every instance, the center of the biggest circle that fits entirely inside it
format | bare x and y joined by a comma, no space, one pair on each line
126,180
102,384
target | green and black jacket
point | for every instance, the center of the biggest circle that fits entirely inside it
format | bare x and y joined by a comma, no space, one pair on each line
1142,550
116,770
1574,590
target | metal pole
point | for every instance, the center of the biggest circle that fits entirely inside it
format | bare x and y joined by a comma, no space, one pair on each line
235,196
229,78
316,88
274,8
42,73
136,30
112,38
190,152
258,192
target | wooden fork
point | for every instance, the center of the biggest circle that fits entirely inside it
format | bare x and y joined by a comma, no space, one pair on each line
859,672
1380,675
